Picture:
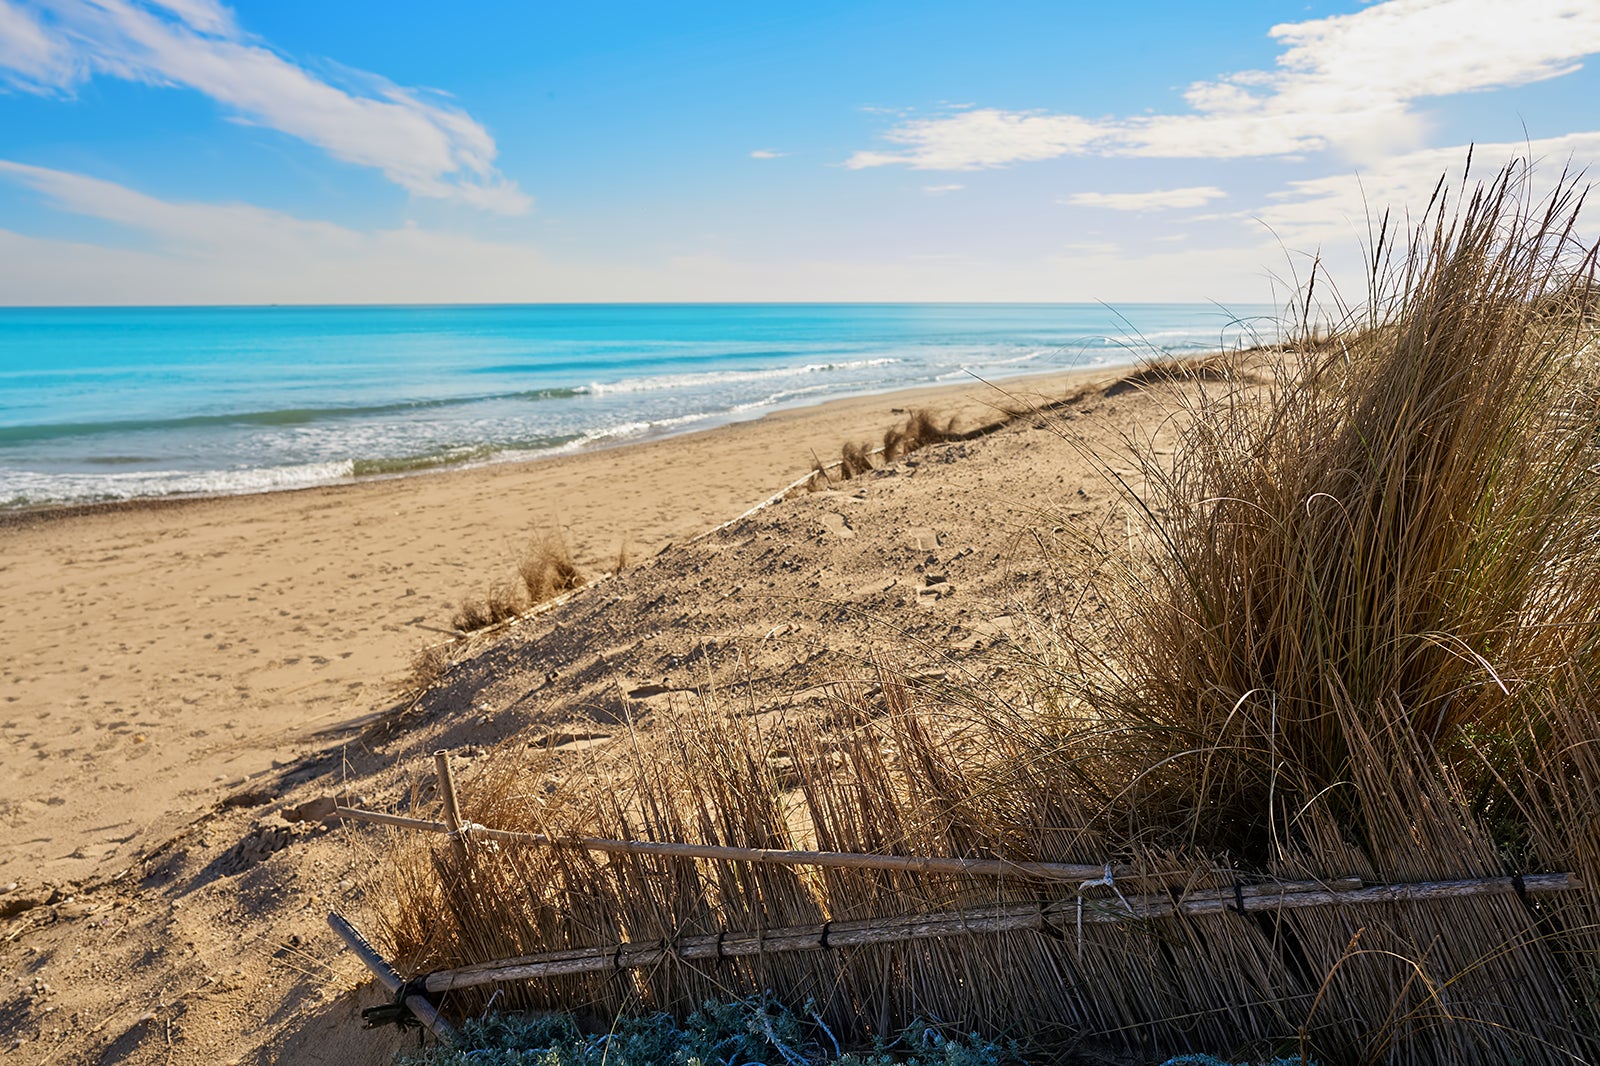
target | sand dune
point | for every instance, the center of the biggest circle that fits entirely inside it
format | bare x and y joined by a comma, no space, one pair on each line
177,671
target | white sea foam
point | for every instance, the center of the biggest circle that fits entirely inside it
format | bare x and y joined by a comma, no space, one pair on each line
698,379
25,487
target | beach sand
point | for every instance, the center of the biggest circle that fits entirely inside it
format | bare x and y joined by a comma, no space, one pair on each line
179,671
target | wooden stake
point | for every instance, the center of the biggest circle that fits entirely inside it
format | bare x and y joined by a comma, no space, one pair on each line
452,809
424,1011
1057,918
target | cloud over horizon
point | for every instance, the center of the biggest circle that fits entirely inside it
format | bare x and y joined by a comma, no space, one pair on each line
1154,200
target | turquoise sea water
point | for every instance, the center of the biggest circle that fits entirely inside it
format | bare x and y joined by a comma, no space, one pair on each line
113,403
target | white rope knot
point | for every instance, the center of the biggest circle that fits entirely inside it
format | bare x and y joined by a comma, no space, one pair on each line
1106,880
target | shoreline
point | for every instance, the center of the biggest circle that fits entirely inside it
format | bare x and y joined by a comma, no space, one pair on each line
162,650
32,514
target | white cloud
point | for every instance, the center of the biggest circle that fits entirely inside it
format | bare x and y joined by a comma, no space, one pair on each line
1346,82
983,138
940,190
427,147
1154,200
190,229
1099,248
207,16
767,153
1334,210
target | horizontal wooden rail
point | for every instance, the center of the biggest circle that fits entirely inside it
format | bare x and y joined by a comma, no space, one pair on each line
842,860
1056,918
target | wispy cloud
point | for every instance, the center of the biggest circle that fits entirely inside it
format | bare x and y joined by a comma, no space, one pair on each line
1347,82
940,190
1154,200
767,153
29,55
423,144
189,228
230,253
185,252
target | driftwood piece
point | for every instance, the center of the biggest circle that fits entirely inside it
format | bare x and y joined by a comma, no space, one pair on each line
1058,918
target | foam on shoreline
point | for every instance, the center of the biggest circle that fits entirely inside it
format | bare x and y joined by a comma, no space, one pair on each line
76,492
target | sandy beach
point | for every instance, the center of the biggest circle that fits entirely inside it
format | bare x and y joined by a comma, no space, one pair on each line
179,670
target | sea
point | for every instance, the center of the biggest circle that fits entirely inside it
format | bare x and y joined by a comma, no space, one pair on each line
101,404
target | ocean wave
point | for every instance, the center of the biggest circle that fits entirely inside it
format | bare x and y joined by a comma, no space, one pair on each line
272,419
465,455
729,377
639,355
634,429
26,488
776,398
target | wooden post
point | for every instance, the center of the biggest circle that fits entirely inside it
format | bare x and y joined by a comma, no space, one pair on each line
452,809
423,1010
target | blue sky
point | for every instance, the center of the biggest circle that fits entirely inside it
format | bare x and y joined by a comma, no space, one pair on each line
183,151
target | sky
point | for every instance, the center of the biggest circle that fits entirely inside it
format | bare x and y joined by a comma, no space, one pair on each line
307,151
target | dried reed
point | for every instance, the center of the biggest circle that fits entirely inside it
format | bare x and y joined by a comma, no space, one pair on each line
854,460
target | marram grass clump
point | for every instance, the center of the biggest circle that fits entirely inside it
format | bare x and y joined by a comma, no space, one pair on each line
1388,569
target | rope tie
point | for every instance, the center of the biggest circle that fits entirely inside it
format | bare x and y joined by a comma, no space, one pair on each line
1107,880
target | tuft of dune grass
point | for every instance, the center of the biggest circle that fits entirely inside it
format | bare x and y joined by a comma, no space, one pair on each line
919,430
1396,554
854,460
545,571
426,667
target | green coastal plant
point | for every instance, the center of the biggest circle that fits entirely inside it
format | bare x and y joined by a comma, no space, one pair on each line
750,1032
